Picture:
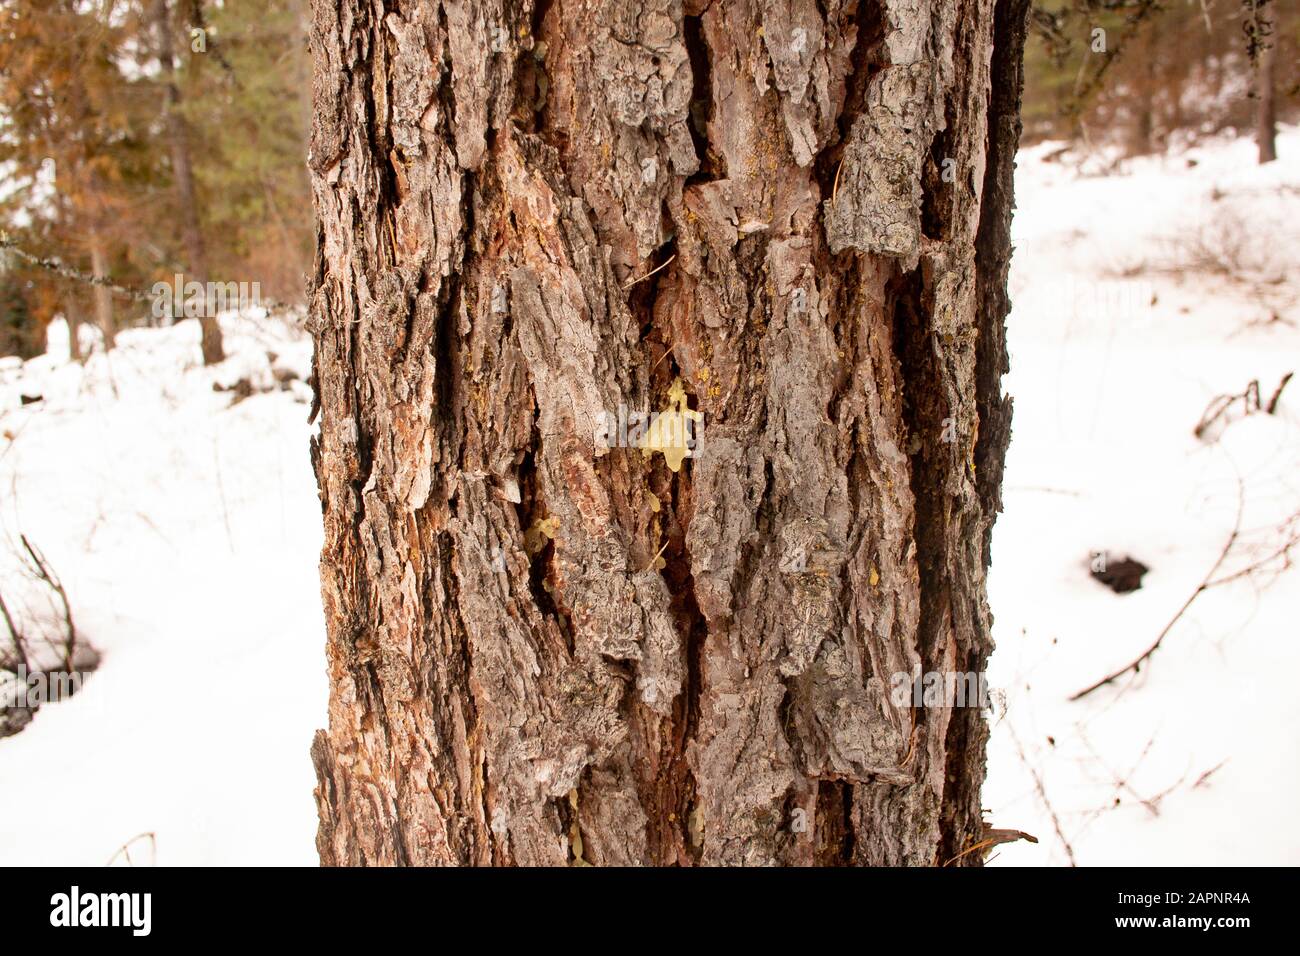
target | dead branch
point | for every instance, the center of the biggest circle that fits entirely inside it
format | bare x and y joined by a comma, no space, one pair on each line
996,836
20,645
46,574
1042,795
1122,781
992,838
124,851
1209,773
1220,404
1277,393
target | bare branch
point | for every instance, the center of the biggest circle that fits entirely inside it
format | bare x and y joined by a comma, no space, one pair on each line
46,574
1042,795
20,644
1271,407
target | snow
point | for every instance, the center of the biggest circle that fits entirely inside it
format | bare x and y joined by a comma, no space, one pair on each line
1120,336
186,528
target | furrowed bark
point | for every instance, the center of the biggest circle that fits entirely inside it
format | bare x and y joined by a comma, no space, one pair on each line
543,650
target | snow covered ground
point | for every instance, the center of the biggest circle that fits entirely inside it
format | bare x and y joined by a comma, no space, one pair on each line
1138,297
186,529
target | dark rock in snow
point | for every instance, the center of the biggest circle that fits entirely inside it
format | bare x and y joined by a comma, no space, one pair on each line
1120,576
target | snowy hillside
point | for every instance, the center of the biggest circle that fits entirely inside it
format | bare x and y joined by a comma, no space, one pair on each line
184,524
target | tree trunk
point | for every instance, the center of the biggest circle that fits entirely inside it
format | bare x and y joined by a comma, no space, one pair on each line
1265,119
789,217
186,197
72,314
102,295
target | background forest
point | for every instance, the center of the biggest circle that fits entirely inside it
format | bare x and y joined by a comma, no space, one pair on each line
142,138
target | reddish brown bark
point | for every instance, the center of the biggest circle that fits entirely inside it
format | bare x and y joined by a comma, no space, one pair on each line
794,214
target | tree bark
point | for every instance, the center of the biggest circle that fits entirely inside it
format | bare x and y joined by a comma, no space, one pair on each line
792,214
182,169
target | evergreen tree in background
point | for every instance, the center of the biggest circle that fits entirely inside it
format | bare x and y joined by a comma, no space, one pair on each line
75,144
116,165
247,102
